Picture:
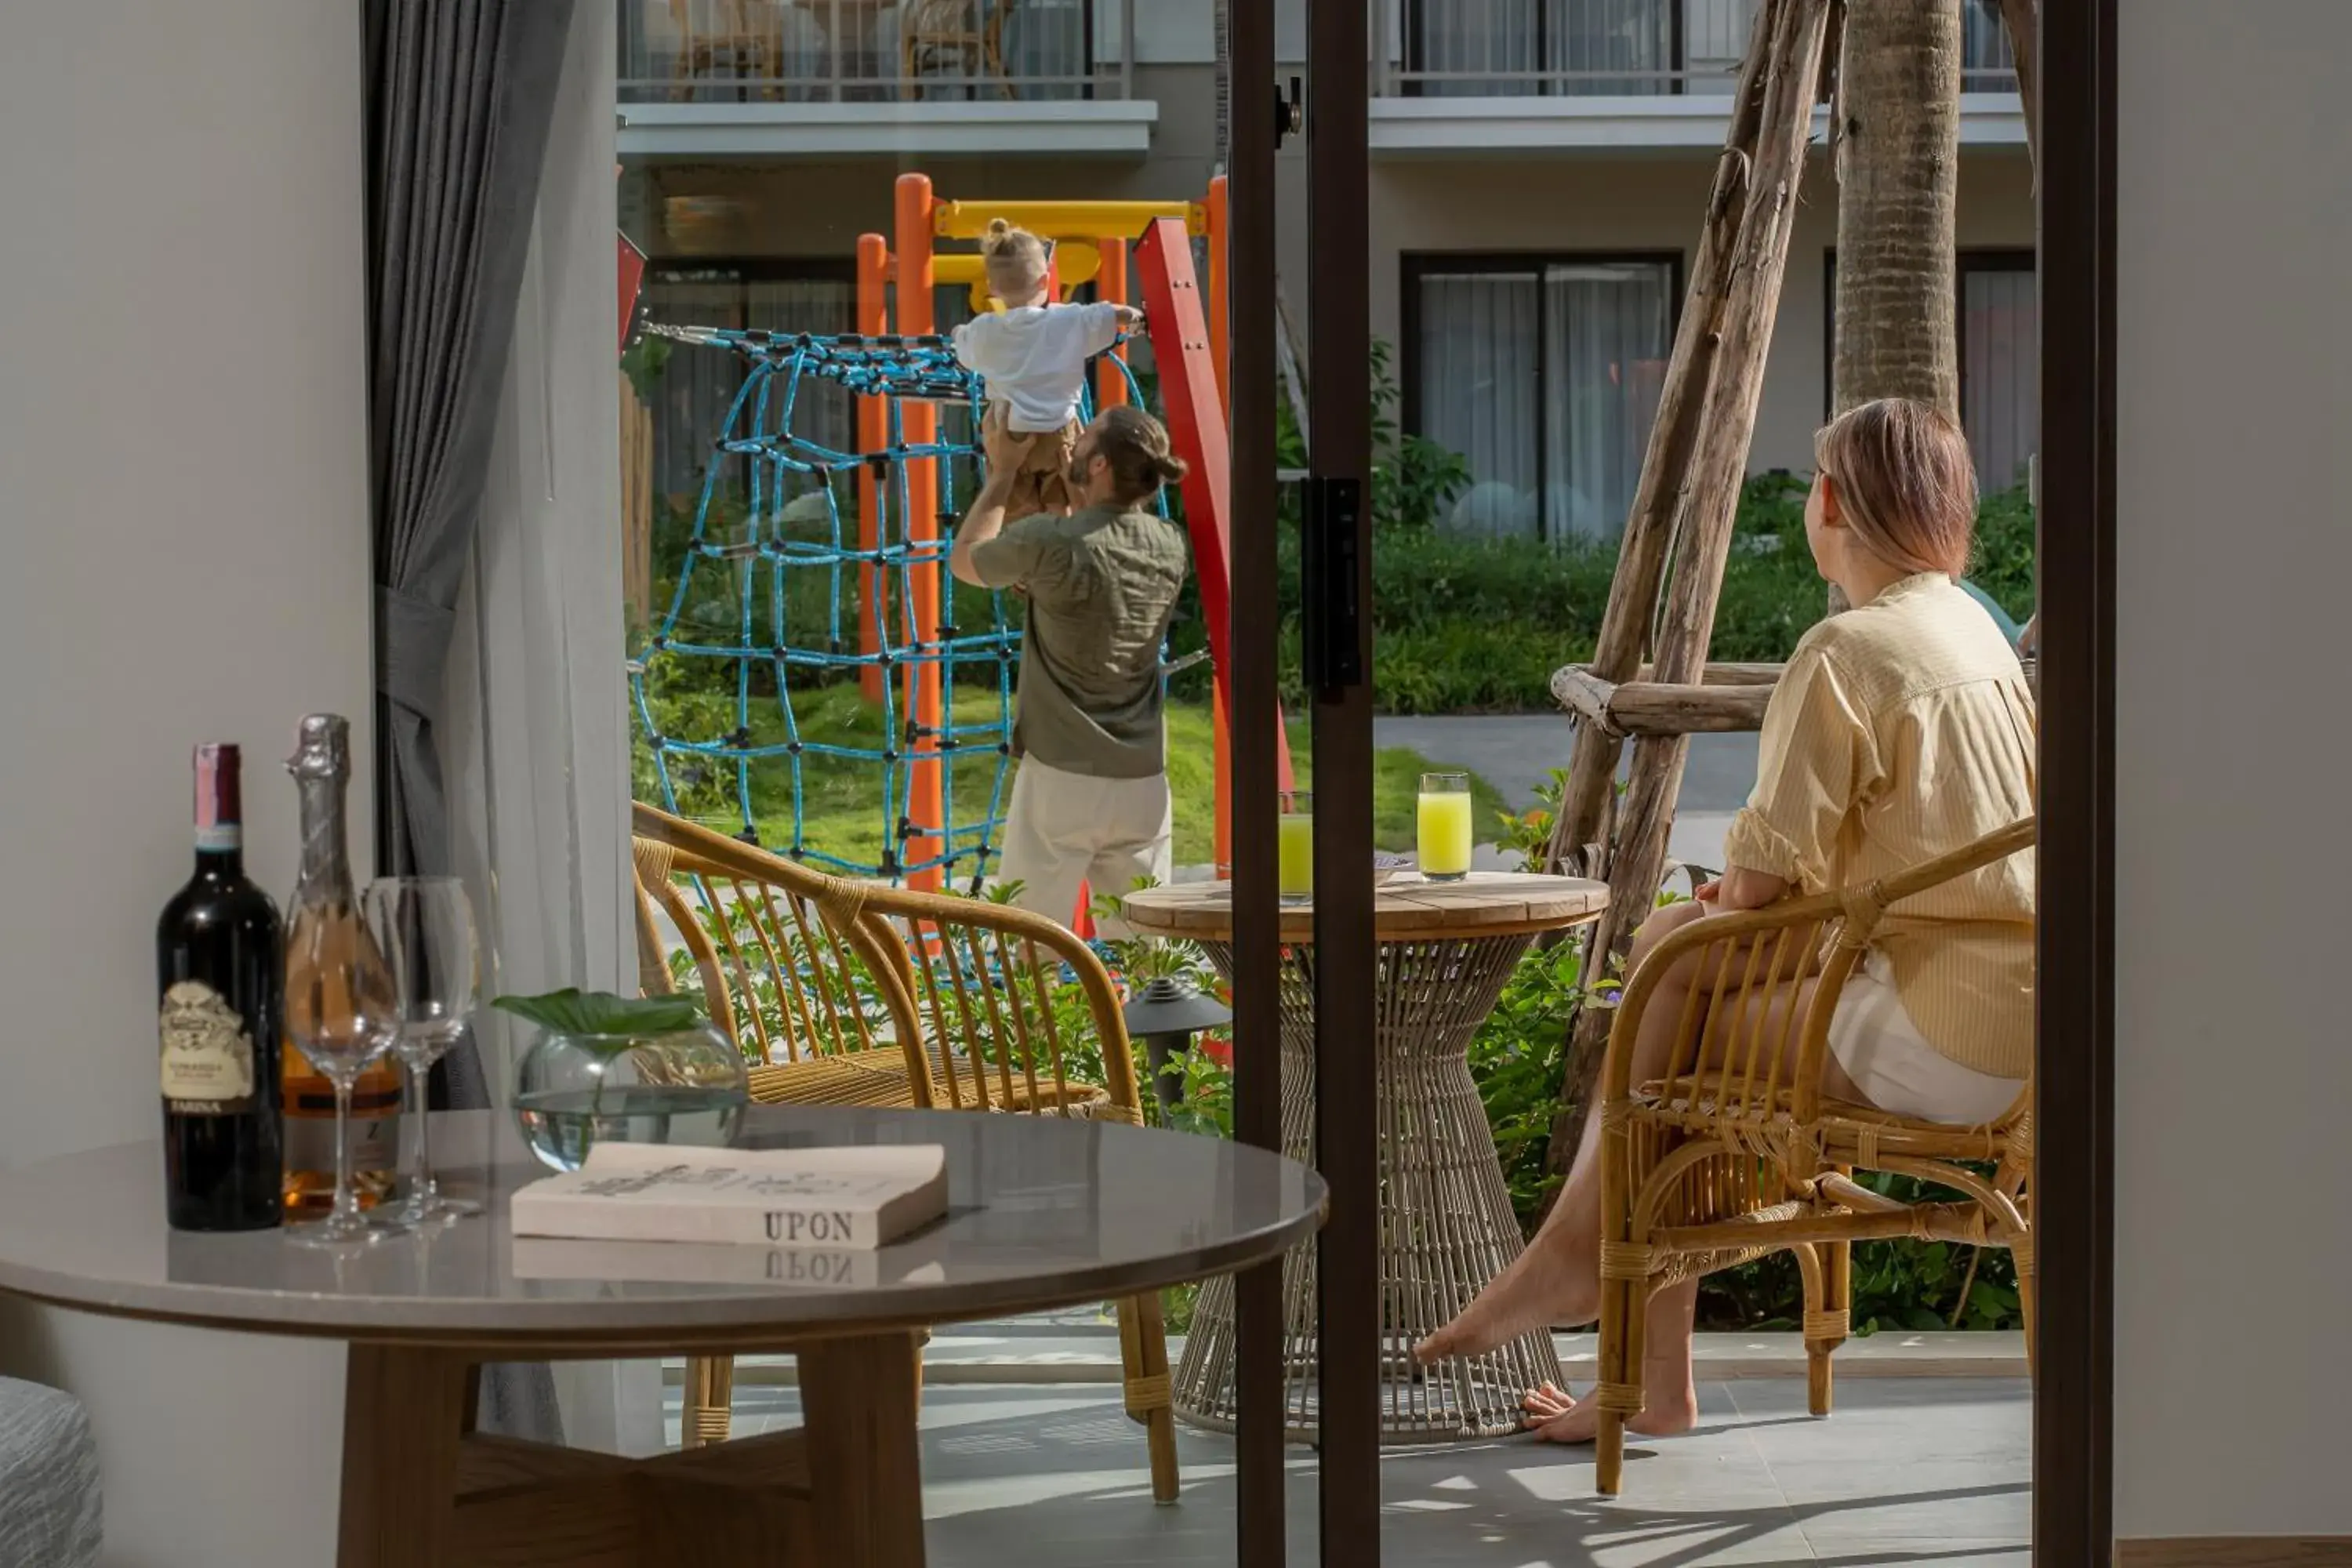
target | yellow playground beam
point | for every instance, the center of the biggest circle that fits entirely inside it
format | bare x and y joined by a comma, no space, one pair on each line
1065,220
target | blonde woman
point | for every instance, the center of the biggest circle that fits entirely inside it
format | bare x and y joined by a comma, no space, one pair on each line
1902,729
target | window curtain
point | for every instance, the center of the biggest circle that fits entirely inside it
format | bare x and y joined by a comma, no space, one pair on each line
1608,331
1546,380
2001,372
459,96
1048,39
1478,391
1572,47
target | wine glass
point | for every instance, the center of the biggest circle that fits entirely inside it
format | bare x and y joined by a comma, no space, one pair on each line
339,1014
424,926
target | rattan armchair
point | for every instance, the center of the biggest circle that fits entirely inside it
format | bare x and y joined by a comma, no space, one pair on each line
729,43
855,993
1735,1153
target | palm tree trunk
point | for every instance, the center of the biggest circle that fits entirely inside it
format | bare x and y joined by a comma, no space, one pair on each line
1898,145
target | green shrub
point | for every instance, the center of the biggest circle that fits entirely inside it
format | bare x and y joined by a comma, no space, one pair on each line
1466,625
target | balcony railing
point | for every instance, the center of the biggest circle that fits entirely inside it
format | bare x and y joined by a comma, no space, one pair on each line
870,51
1526,49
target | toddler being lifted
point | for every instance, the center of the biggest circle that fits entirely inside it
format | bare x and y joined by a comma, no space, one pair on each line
1033,355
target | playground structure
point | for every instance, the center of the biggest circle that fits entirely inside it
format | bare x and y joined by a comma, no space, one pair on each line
900,373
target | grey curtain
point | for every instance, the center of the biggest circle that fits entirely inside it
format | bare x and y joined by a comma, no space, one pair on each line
459,95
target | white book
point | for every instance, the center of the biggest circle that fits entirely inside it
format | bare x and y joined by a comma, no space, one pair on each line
848,1199
708,1263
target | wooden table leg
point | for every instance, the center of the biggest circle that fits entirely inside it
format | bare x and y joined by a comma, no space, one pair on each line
404,1417
864,1466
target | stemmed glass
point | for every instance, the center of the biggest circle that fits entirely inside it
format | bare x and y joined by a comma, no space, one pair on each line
424,928
340,1014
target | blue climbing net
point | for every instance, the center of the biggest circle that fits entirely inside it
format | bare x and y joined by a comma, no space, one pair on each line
805,640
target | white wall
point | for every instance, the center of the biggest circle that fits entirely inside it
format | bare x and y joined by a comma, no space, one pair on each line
183,490
2232,1067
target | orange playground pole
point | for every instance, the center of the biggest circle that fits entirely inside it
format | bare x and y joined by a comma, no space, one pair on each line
1219,325
873,435
1110,288
920,426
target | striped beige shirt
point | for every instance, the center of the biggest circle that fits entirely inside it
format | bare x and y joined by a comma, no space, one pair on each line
1901,731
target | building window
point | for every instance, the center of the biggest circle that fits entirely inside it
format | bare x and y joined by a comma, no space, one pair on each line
2000,344
1520,49
2000,364
1513,49
1544,373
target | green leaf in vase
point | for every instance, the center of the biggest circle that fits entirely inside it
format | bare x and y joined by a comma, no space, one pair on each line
600,1013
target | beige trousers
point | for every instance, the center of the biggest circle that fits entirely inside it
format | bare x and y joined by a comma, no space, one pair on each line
1066,829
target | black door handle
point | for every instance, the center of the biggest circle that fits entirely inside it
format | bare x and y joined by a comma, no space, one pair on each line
1330,557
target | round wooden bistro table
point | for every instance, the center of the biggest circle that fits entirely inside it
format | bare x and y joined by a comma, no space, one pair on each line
1042,1213
1446,1226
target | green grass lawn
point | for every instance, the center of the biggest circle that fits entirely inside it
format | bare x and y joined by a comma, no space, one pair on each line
843,812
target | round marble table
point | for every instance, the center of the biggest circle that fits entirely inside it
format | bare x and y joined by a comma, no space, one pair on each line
1043,1213
1446,950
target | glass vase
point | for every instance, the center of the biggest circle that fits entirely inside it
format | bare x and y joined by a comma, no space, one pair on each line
684,1086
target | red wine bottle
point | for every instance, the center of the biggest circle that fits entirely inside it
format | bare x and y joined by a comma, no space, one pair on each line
220,959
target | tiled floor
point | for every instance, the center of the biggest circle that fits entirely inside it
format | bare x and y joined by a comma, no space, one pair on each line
1917,1470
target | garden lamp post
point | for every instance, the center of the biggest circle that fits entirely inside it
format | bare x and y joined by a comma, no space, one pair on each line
1165,1016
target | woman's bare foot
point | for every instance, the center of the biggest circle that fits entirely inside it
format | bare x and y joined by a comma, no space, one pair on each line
1552,1284
1556,1416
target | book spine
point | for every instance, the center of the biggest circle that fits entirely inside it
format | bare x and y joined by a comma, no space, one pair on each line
602,1219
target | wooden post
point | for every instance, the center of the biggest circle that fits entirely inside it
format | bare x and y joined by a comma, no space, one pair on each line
636,504
1686,498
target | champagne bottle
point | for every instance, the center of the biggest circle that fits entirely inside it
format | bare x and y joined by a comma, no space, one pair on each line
326,924
221,973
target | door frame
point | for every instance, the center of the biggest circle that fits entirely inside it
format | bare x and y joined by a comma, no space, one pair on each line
1337,596
2074,1204
2073,1196
1339,159
1254,637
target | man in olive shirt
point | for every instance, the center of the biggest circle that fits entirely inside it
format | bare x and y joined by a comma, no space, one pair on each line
1090,804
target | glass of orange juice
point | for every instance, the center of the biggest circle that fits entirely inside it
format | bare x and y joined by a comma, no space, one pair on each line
1294,865
1445,830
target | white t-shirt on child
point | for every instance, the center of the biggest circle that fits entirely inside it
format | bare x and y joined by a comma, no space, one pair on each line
1033,358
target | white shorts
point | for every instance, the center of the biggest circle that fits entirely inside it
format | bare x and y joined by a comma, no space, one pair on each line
1892,1063
1063,829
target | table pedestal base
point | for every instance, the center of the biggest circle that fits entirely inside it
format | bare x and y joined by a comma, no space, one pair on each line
419,1491
1446,1222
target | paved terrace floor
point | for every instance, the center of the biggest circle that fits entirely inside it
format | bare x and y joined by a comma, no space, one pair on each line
1930,1470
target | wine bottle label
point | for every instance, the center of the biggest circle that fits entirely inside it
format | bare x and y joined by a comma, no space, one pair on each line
207,1055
